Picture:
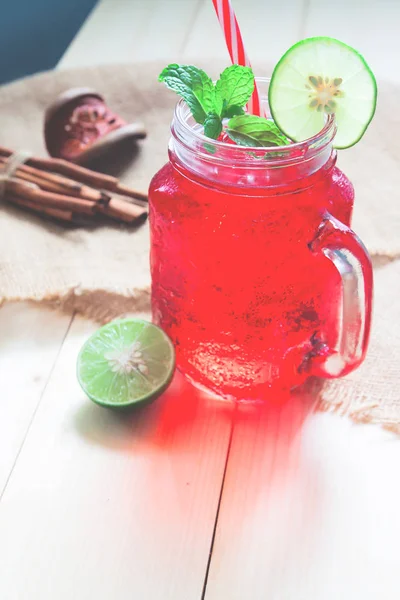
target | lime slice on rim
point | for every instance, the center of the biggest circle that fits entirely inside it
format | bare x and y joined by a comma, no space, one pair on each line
320,76
125,363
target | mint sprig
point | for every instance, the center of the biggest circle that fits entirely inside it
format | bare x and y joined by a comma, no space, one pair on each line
195,87
212,125
233,111
250,130
210,104
233,90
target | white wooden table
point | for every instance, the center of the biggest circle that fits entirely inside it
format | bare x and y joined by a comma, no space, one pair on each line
190,499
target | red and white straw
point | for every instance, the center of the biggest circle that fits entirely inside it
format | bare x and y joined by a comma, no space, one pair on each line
234,42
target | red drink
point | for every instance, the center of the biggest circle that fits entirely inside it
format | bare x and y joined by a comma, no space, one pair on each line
255,275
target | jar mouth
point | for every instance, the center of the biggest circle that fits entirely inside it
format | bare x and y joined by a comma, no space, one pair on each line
189,133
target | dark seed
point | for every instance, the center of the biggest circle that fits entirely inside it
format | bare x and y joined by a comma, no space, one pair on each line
313,80
337,81
313,103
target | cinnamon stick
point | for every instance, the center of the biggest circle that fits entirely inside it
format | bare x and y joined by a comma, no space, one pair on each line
52,185
82,174
124,190
55,213
26,192
70,184
47,186
64,167
125,211
56,183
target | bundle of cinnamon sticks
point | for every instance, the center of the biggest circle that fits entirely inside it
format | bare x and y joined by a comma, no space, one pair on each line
60,190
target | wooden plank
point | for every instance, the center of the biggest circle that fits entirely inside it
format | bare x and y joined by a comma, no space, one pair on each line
371,26
183,30
308,512
31,338
131,30
104,505
268,30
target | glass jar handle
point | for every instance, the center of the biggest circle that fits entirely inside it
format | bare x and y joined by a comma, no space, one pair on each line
346,251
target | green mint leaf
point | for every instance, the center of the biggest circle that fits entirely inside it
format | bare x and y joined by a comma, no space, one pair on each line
233,111
249,130
212,125
193,85
234,88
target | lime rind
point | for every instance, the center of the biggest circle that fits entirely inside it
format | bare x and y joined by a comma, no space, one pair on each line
120,389
331,58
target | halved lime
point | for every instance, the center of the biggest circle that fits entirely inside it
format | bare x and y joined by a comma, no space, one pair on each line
320,76
126,362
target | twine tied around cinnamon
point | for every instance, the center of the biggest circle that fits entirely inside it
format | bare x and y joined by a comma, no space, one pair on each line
12,163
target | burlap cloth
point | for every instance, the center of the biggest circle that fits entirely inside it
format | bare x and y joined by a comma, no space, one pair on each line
104,272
